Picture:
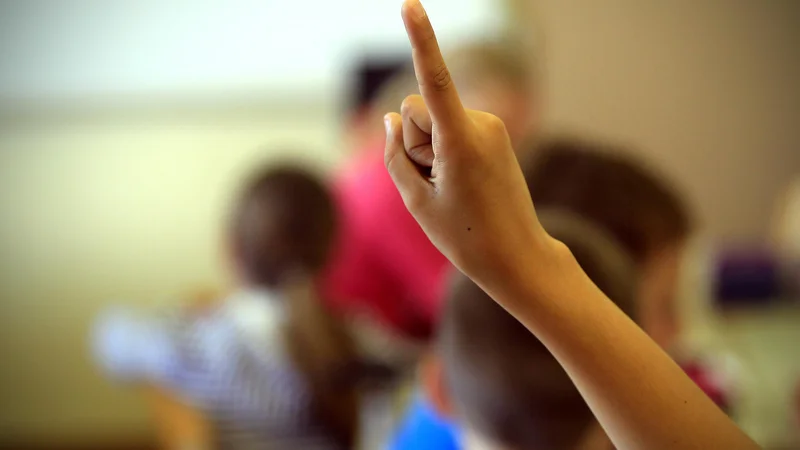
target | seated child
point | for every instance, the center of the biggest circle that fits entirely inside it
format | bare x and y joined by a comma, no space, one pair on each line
630,201
645,214
490,384
268,366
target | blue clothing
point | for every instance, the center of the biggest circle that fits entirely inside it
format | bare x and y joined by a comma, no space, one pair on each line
424,429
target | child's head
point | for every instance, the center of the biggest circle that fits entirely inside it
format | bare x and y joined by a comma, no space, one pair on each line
496,76
281,227
496,378
499,77
378,84
281,231
632,204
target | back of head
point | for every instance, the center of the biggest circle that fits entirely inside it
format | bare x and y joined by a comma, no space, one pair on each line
369,78
473,65
378,86
498,76
282,226
505,60
281,231
506,385
620,195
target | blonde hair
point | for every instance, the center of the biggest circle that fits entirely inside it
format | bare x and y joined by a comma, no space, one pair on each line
471,64
505,59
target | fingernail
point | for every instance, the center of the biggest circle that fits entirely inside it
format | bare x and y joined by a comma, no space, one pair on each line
387,123
417,9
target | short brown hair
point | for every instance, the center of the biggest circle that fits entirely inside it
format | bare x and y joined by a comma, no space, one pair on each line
282,223
505,383
621,195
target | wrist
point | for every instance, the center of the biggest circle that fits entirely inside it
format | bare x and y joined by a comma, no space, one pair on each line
543,274
533,276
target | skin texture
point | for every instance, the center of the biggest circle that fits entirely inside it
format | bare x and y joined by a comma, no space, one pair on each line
658,310
475,207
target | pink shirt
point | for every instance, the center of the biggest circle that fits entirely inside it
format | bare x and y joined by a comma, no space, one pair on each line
383,263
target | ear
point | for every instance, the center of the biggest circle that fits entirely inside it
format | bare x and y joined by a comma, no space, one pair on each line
434,385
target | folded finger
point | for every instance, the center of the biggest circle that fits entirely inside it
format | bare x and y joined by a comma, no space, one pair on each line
404,172
417,130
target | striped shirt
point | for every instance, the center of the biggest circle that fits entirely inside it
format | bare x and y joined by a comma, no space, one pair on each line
231,363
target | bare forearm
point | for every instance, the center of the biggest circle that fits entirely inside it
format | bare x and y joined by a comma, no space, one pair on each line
640,396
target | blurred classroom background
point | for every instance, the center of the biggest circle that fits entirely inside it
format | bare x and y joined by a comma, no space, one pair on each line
126,126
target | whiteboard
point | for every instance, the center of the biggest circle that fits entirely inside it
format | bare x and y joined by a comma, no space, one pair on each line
72,49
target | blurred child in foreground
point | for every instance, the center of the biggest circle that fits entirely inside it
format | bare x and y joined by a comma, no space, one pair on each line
490,384
267,365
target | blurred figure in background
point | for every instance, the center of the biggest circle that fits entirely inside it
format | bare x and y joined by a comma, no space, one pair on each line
786,235
385,269
378,83
267,365
632,204
490,384
500,77
643,213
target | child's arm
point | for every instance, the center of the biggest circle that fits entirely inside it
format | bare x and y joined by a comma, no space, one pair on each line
133,346
476,208
640,396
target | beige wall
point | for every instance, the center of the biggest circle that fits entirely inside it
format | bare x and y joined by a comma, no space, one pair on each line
707,89
115,205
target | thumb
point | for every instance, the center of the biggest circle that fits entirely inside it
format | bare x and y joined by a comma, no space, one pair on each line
404,172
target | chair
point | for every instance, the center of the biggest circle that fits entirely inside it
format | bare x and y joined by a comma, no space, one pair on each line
179,425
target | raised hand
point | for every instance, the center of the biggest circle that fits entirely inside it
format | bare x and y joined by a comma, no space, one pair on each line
475,207
456,169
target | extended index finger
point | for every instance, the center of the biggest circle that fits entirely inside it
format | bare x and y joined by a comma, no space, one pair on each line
433,77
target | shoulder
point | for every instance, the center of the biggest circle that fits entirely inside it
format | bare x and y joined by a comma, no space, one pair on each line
365,182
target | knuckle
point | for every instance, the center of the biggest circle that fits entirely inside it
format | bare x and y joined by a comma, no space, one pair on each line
441,78
495,124
415,198
421,153
414,201
418,154
413,106
390,161
407,106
